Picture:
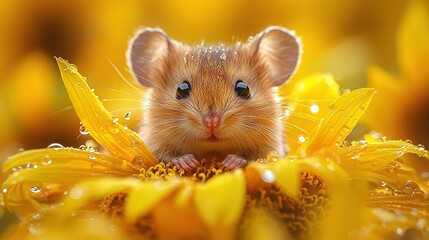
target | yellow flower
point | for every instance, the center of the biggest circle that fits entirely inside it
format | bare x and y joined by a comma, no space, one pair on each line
324,189
401,108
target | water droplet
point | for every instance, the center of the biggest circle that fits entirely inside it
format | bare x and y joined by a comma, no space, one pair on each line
314,108
37,216
83,130
300,86
135,144
47,160
331,167
138,161
127,116
76,193
55,146
421,147
92,90
383,184
287,113
268,176
302,139
223,56
347,90
409,141
35,229
91,155
361,144
21,149
421,223
399,231
82,147
114,126
4,190
418,194
36,188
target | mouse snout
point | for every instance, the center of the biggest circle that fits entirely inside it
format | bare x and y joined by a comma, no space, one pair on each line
211,120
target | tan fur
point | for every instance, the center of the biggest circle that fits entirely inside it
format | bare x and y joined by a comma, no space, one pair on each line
249,128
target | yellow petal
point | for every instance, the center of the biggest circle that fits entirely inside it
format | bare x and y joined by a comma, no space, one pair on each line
103,127
36,176
93,190
305,101
339,121
284,173
142,198
220,200
413,41
375,161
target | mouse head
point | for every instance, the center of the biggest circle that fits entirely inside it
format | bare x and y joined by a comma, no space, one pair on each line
214,92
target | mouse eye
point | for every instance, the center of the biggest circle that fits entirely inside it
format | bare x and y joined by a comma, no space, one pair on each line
242,90
183,90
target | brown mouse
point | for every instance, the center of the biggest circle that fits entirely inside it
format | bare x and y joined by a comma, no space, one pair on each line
214,102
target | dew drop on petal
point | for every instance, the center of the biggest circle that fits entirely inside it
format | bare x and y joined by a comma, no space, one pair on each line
55,145
314,108
76,192
127,116
399,231
46,160
4,190
91,155
35,229
135,144
302,139
300,86
138,161
83,130
36,188
268,176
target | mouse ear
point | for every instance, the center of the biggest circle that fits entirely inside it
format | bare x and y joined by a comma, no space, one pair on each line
281,51
145,53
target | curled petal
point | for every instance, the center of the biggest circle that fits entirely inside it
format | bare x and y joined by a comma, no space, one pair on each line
103,127
338,122
36,178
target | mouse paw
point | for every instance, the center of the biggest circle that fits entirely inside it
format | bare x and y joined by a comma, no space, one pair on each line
186,162
233,162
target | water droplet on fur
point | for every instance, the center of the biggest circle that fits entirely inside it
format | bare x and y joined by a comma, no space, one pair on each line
55,146
268,176
127,116
223,56
314,108
76,192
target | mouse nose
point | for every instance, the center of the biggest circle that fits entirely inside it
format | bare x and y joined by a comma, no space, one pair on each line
211,120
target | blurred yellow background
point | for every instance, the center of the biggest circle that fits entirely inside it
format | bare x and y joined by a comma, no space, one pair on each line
345,38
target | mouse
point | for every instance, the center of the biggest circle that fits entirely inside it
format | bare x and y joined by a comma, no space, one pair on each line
216,101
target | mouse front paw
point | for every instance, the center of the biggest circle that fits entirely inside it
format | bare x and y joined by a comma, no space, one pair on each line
233,162
186,162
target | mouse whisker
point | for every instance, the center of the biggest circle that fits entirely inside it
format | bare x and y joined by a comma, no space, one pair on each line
128,82
137,95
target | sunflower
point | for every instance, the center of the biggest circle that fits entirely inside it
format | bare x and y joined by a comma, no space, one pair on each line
409,93
324,188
